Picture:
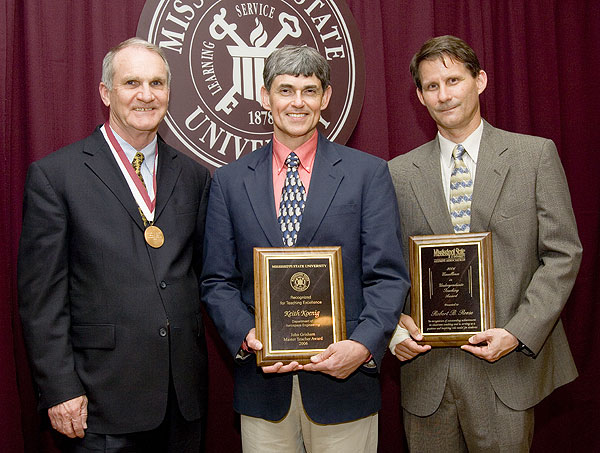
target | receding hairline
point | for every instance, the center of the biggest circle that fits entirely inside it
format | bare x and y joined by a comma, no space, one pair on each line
142,47
108,62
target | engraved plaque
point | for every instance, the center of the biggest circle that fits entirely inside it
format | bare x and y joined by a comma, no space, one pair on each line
452,292
299,302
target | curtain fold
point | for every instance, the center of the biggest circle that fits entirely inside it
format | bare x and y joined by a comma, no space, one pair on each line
11,430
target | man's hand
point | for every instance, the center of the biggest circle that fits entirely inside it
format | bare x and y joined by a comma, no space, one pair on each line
492,344
255,345
70,418
409,348
339,359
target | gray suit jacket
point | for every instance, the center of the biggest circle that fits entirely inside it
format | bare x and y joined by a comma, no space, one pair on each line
521,196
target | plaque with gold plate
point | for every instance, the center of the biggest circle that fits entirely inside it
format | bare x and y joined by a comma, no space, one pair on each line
452,292
298,301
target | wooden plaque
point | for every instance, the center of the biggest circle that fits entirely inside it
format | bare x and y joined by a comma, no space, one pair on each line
298,301
452,292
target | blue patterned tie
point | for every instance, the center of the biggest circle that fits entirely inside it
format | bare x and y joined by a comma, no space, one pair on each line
461,192
293,199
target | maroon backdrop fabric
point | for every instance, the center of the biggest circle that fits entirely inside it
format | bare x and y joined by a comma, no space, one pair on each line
542,59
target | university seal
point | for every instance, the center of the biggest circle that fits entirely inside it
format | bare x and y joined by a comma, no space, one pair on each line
217,50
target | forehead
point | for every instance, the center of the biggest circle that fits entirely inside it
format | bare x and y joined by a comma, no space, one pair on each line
441,67
299,81
140,62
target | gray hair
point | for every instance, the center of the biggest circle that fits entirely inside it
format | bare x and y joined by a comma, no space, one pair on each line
295,61
108,69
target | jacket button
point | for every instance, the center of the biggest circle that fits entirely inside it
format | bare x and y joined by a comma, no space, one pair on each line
162,332
163,285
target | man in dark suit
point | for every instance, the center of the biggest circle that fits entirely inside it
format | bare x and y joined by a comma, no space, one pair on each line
350,203
109,260
481,396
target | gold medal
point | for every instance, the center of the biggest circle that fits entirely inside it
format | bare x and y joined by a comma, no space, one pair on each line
154,236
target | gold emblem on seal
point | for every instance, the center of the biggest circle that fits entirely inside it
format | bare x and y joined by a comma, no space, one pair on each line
300,282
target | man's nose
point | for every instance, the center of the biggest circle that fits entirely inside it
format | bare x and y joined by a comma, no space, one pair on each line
145,93
444,94
298,100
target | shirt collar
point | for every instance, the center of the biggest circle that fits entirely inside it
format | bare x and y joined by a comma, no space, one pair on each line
471,144
148,151
305,152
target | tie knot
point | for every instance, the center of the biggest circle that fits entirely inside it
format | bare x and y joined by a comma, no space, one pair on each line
137,161
292,160
458,151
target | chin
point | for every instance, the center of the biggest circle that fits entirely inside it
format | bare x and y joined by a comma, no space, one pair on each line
146,125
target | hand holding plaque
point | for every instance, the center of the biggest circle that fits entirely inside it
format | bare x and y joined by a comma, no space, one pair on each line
452,292
299,302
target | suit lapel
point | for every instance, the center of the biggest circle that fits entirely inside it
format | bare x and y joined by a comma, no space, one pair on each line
324,182
168,173
259,187
102,163
492,169
429,192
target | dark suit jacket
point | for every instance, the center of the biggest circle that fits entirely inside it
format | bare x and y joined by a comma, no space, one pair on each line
521,196
95,299
350,203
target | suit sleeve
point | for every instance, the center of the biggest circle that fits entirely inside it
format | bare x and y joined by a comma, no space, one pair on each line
201,227
221,278
43,268
384,275
559,254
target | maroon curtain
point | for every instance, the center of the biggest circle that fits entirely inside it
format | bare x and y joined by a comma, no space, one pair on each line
542,58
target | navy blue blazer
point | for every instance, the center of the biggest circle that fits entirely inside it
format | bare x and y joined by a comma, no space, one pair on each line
351,203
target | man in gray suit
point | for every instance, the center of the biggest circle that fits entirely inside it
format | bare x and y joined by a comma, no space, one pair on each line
481,396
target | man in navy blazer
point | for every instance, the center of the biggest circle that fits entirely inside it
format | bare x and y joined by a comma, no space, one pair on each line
111,315
332,402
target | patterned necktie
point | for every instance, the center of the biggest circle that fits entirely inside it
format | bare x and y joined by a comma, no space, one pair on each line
293,199
461,192
136,163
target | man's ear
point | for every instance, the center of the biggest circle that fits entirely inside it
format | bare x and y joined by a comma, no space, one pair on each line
264,95
420,96
104,94
481,81
326,98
